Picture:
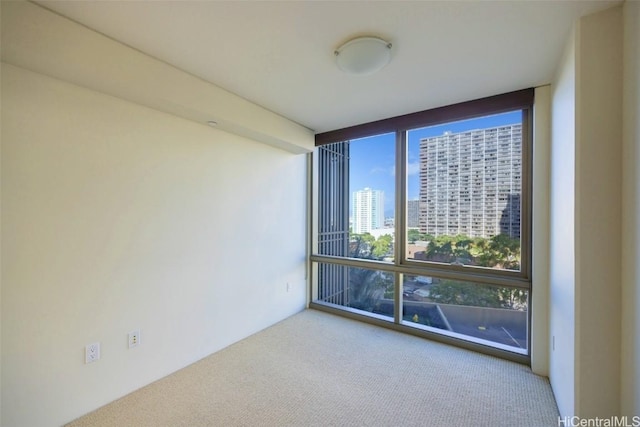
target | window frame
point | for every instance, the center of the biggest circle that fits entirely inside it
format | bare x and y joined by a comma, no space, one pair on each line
519,100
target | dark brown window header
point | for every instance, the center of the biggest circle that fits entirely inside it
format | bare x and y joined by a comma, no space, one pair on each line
520,99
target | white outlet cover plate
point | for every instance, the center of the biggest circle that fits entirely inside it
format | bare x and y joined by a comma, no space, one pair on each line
92,352
134,338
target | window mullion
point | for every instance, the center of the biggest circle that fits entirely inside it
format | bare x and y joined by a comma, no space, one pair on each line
400,218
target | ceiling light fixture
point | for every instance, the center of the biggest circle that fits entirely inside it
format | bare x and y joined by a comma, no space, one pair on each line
363,55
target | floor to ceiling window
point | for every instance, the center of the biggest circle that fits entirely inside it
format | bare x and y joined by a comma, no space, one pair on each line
422,222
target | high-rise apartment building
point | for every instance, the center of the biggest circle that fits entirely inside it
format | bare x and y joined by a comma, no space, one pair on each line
413,213
470,182
368,210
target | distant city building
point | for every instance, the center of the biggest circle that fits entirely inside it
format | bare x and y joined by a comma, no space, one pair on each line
413,213
368,210
470,182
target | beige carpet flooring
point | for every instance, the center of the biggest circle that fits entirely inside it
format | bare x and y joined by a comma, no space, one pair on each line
318,369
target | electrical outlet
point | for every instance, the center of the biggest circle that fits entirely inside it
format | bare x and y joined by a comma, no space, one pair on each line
92,353
134,338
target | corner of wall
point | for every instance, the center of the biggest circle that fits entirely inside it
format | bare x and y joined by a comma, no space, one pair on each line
540,243
630,319
598,209
561,226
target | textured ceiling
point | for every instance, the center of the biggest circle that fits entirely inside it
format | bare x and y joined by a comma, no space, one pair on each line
280,54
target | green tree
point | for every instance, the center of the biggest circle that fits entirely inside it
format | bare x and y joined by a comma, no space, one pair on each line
426,237
464,293
360,245
506,250
440,249
513,298
500,251
382,246
367,288
478,248
462,247
413,235
478,295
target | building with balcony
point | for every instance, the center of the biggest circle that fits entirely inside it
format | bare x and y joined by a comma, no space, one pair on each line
470,182
368,210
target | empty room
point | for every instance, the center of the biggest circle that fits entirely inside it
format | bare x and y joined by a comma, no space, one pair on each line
311,213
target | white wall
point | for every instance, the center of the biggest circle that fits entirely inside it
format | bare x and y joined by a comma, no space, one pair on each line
117,217
540,237
598,213
562,231
585,219
630,390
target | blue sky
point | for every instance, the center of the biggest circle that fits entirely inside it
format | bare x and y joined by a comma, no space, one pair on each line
373,159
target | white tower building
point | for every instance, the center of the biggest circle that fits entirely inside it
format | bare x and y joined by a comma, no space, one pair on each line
368,210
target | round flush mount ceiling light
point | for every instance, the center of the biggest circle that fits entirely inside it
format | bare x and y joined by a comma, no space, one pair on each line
363,55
